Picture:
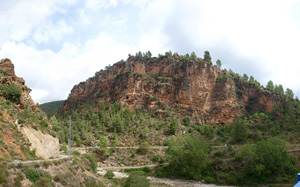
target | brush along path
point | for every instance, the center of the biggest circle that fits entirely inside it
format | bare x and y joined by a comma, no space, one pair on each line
32,162
155,180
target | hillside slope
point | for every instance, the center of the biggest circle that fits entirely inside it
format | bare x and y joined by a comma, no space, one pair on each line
192,88
51,108
21,120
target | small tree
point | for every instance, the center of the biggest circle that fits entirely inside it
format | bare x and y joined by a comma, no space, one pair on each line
32,175
270,86
173,127
245,77
11,92
289,93
144,148
279,89
186,121
109,174
240,131
207,56
102,142
149,54
219,63
193,56
137,179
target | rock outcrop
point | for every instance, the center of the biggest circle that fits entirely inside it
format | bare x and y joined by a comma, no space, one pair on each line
8,77
192,87
15,138
46,146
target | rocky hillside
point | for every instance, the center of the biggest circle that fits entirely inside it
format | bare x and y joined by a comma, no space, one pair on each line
191,87
21,121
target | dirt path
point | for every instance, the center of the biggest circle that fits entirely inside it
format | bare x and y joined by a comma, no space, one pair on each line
179,182
32,162
154,180
118,168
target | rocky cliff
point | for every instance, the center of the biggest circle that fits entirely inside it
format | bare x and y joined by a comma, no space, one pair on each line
191,87
18,115
8,77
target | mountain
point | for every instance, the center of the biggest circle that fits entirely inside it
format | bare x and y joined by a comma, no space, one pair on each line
24,129
219,126
51,108
191,87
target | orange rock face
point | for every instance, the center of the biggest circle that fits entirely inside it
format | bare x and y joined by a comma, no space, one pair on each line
9,77
8,126
190,87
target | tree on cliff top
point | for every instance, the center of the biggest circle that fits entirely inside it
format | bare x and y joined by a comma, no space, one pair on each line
219,63
270,86
207,56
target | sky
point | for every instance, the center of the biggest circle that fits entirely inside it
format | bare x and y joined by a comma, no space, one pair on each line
56,44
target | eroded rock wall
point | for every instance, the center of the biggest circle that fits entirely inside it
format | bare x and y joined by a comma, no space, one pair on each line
190,86
46,146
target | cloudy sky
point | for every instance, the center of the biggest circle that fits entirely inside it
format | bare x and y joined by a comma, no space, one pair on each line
56,44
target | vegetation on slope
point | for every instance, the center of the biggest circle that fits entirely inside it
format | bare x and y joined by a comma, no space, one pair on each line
54,173
51,108
257,153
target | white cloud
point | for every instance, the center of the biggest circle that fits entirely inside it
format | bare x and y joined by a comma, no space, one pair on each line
50,31
260,38
20,18
98,4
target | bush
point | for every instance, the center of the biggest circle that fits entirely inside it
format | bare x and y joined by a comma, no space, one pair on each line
221,79
173,127
43,123
239,131
18,179
43,181
144,148
11,92
266,160
186,121
32,175
109,174
3,175
137,179
76,153
93,161
102,142
182,162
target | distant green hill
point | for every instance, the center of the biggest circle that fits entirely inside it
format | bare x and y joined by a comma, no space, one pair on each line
51,108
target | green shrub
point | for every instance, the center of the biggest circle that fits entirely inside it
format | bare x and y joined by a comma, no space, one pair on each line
109,174
239,93
32,175
5,105
137,179
43,181
76,153
144,169
186,121
3,175
11,92
144,148
173,127
209,180
102,142
182,162
93,161
18,179
221,79
154,75
43,123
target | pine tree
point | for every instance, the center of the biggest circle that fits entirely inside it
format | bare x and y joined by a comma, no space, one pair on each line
207,56
270,86
219,63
